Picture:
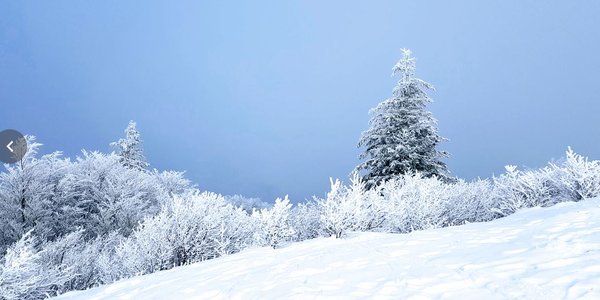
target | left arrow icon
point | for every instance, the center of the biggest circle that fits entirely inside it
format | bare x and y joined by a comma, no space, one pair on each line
13,146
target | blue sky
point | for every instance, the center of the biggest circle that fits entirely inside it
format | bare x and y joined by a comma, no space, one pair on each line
267,98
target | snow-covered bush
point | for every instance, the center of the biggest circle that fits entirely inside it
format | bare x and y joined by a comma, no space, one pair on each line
106,267
25,275
35,270
190,228
519,189
579,175
306,221
83,259
350,208
414,203
275,226
574,179
469,202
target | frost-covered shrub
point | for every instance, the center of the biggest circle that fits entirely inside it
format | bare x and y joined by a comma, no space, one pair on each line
579,175
414,203
35,270
191,228
572,180
306,221
274,224
83,259
350,208
107,267
334,215
469,202
411,202
25,275
517,189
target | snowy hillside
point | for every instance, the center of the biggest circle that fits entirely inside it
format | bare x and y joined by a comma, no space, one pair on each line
537,253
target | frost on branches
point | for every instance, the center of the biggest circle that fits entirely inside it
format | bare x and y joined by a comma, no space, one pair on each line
402,137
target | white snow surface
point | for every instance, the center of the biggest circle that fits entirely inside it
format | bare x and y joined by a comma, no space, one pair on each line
537,253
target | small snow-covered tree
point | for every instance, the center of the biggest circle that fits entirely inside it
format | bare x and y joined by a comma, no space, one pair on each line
275,223
403,136
130,148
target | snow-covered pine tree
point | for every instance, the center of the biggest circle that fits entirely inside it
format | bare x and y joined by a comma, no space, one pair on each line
403,136
130,148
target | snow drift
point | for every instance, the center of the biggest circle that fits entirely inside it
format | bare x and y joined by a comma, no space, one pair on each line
536,253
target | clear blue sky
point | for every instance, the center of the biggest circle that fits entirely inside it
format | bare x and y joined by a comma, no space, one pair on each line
267,98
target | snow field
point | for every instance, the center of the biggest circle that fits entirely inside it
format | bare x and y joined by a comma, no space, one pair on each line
537,253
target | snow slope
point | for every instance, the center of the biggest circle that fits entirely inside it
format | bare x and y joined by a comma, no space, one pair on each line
538,253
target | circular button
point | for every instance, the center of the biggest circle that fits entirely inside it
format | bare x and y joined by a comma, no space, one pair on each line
13,146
